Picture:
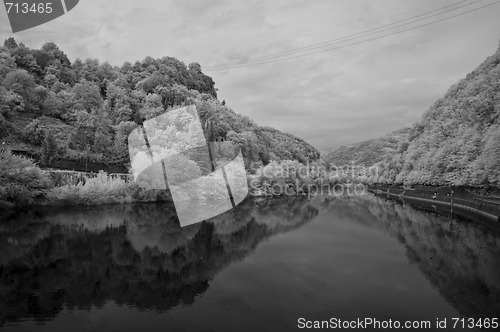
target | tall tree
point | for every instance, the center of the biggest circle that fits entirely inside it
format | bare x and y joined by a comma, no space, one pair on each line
49,148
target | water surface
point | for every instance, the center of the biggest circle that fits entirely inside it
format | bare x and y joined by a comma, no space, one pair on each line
259,267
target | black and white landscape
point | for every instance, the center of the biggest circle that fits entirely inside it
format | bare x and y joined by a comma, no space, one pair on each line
370,138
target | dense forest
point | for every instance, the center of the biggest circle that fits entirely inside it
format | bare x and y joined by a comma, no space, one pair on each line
457,141
369,152
78,114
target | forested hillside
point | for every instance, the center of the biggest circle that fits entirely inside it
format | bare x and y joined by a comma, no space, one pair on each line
368,152
457,141
70,114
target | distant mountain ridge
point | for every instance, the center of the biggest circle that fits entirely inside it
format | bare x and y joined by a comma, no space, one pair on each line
457,141
368,152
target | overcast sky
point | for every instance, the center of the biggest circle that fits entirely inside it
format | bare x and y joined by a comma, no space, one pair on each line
330,98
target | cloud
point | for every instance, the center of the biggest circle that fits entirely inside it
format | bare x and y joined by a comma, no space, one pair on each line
330,98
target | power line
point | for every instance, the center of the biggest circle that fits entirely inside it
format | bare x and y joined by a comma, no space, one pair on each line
349,37
330,43
283,56
350,24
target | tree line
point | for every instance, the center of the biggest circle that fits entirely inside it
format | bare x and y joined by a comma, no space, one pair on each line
85,109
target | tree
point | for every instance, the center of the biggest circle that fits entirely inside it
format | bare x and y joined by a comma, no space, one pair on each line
195,67
90,70
24,59
82,138
491,155
55,53
10,43
52,104
120,147
152,106
150,83
123,113
21,82
88,95
50,80
102,139
10,101
49,148
41,93
7,64
34,132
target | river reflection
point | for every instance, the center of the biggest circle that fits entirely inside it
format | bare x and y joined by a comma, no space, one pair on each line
461,258
136,254
139,257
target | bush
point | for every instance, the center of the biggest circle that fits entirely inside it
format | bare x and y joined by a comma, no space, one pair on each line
34,131
21,181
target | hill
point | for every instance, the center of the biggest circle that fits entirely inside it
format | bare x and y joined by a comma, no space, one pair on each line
77,115
370,152
457,141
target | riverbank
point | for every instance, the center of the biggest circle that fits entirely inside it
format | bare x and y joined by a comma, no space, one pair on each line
473,202
24,185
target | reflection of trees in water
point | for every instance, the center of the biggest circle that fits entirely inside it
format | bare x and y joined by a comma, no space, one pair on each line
148,261
460,258
145,260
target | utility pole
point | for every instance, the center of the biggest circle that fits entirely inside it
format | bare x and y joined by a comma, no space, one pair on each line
451,203
87,148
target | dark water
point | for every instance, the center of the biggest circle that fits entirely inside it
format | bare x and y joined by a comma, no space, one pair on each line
260,267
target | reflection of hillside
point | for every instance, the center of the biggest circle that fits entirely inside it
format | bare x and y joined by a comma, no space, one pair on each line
461,259
145,260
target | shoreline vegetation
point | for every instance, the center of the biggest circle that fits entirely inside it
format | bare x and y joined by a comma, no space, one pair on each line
24,185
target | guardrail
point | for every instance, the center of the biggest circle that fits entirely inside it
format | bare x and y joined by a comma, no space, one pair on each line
456,198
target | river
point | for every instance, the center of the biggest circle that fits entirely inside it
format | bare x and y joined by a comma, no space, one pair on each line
259,267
